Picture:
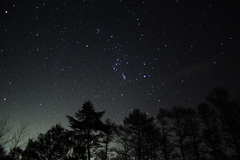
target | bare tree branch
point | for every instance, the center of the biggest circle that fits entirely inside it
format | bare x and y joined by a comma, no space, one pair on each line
5,129
20,135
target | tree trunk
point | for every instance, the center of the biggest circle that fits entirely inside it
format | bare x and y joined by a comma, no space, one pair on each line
195,142
211,140
181,141
235,141
88,145
164,143
106,148
139,145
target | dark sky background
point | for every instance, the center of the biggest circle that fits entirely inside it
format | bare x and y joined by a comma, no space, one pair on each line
120,55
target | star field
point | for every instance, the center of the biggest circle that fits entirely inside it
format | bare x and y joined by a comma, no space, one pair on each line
120,55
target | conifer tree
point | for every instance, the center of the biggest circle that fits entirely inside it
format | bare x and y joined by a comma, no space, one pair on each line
108,134
87,124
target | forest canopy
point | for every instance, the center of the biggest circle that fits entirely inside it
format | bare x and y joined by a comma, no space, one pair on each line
209,131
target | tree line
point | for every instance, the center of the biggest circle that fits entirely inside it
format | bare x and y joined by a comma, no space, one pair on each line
210,131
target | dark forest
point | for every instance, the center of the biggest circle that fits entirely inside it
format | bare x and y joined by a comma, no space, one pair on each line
209,131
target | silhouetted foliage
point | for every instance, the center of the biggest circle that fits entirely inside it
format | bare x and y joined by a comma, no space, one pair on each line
2,152
228,111
55,144
107,136
177,115
164,126
124,141
16,153
87,125
210,133
152,141
139,129
193,139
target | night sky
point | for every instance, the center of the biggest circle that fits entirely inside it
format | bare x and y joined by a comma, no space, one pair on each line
120,55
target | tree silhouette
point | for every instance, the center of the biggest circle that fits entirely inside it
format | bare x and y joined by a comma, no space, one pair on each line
177,115
124,140
135,124
20,135
193,140
32,151
5,130
178,133
54,144
18,140
164,126
211,133
107,136
2,152
151,141
87,124
16,153
228,111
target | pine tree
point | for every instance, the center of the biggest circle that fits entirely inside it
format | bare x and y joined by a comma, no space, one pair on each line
107,136
86,124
